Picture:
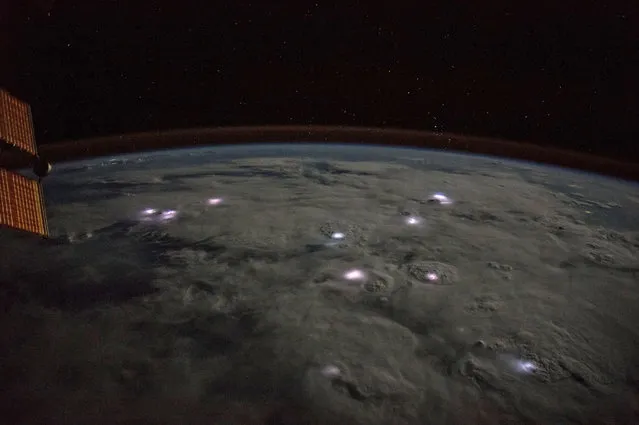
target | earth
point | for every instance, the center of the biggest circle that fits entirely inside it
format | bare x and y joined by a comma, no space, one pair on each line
311,284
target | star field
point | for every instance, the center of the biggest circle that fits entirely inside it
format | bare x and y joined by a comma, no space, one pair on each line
554,74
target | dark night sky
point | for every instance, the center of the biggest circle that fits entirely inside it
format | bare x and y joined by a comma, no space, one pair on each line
557,72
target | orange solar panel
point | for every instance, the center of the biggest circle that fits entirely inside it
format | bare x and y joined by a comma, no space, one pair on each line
16,127
22,203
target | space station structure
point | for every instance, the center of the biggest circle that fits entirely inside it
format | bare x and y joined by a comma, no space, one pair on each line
22,205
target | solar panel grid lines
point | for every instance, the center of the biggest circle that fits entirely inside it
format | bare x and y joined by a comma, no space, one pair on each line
22,203
16,127
21,199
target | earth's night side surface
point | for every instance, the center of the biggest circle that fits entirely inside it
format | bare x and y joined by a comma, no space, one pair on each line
361,285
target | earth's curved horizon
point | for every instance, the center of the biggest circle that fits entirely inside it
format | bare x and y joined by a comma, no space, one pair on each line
298,284
395,137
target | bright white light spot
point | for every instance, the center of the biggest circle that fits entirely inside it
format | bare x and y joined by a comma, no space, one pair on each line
338,235
331,371
413,220
152,215
441,198
169,214
432,276
518,365
214,201
525,366
354,274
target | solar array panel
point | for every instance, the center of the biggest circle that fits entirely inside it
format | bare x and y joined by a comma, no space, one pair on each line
16,127
22,203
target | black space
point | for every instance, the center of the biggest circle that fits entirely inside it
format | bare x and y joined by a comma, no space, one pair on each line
562,73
